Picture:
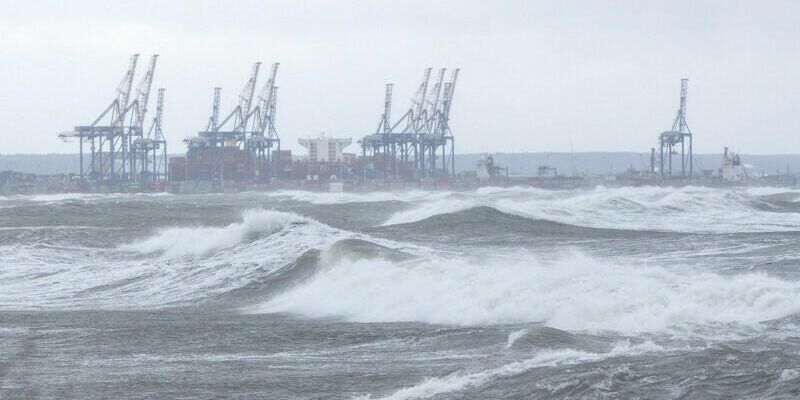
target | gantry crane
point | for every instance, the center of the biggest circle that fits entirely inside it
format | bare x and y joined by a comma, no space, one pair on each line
409,148
679,134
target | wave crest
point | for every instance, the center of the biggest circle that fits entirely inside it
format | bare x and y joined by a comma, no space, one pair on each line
692,209
574,293
201,241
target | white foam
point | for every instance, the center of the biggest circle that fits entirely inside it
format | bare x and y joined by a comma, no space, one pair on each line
354,197
771,190
56,198
109,279
432,208
514,336
460,381
789,375
573,293
199,241
694,209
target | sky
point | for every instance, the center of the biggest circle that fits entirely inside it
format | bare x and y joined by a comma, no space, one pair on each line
536,76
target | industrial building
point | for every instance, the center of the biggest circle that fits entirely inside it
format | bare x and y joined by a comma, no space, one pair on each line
487,172
326,158
116,149
324,149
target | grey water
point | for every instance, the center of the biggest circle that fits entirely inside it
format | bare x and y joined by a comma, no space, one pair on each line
673,293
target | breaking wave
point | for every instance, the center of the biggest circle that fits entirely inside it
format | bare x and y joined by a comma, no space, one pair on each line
173,266
543,337
267,254
458,382
356,197
489,222
688,209
573,293
55,198
199,241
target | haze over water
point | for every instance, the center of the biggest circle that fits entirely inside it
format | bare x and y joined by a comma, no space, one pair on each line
494,293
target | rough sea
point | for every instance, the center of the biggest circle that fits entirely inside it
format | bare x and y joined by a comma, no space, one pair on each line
608,293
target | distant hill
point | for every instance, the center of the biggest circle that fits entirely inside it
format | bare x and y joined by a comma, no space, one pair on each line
519,163
40,164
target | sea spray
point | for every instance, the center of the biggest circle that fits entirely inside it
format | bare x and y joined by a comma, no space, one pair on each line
573,293
688,209
200,241
172,266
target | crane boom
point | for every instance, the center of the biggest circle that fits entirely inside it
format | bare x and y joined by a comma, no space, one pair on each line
143,92
124,88
246,99
160,109
419,98
213,121
446,106
679,124
385,124
273,105
266,101
684,90
434,103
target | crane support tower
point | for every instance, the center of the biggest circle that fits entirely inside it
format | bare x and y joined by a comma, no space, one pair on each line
115,138
263,136
420,143
677,142
150,151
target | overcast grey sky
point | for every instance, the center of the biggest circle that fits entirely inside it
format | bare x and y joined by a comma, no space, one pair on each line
536,76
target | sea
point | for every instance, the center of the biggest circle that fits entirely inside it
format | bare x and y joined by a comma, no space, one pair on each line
495,293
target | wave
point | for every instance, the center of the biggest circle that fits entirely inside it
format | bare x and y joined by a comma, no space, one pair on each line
408,196
267,253
54,198
203,241
359,249
772,190
58,197
490,222
687,209
431,208
457,382
573,293
271,283
543,337
290,263
172,267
